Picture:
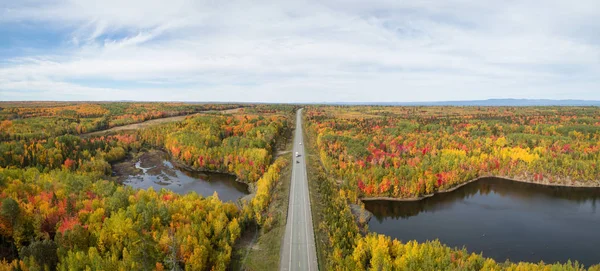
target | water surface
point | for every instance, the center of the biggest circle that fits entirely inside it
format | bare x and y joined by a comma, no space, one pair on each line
501,218
182,181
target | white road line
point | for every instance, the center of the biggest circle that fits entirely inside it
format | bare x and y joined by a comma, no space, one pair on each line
305,216
292,218
303,202
308,207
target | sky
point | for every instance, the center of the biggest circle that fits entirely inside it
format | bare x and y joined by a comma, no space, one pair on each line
299,51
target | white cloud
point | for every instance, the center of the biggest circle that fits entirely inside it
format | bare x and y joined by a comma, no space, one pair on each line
309,50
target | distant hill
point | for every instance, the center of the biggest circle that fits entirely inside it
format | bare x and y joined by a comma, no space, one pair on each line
489,102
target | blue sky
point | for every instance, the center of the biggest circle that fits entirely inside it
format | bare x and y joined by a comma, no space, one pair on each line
299,51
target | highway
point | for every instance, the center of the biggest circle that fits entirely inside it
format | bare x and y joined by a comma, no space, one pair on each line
298,249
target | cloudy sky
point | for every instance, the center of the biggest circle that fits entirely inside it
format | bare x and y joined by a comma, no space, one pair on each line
299,51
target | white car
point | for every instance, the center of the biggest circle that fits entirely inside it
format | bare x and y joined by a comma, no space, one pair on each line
300,143
297,154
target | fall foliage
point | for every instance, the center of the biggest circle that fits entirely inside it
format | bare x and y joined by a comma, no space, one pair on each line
80,221
264,188
240,144
38,120
60,208
340,241
405,152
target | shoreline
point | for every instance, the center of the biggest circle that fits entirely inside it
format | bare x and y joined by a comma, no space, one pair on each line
251,187
597,185
180,165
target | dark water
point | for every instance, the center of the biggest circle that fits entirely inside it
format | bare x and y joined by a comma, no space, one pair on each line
503,219
182,181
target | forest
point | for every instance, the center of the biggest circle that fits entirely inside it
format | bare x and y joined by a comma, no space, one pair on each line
37,120
409,152
343,243
240,144
61,208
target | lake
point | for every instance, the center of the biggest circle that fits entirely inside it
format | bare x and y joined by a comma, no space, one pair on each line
501,218
160,173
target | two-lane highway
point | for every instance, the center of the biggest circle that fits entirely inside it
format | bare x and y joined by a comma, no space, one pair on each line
298,249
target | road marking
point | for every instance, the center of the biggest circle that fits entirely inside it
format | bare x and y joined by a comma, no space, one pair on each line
303,202
305,205
292,218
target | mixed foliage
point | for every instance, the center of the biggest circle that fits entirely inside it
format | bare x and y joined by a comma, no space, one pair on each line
342,247
379,252
68,151
240,144
69,221
37,120
61,209
405,152
264,191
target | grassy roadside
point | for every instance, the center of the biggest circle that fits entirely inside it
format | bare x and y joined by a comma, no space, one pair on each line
260,248
265,253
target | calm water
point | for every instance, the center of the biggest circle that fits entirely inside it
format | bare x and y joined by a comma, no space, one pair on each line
502,219
182,181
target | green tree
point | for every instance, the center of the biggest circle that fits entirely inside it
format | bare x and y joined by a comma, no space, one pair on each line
10,210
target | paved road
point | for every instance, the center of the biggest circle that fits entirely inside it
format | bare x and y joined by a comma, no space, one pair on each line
298,249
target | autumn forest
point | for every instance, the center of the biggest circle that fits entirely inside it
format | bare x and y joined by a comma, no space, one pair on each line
63,207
